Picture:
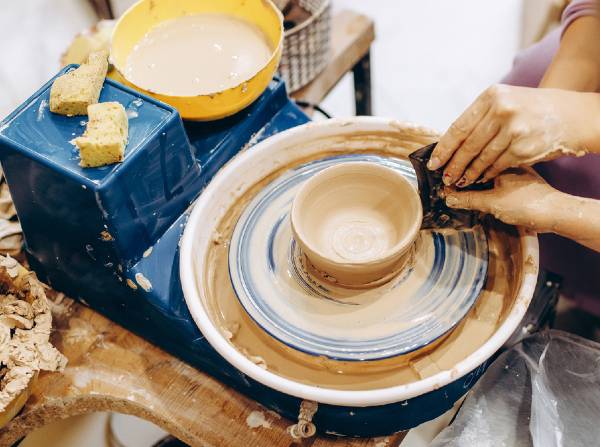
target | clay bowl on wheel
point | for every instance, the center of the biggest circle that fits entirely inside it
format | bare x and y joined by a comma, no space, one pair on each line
356,222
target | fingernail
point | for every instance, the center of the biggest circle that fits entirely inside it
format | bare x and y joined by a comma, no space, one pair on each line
462,182
447,179
433,163
451,201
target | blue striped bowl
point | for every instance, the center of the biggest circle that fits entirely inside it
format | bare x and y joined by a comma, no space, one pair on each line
274,284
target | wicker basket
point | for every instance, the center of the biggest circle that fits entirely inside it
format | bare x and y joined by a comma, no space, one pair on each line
306,46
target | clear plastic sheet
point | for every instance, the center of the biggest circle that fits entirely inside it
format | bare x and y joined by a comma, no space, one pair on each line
544,391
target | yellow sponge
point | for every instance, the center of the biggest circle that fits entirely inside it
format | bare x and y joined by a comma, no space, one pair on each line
72,92
105,136
87,42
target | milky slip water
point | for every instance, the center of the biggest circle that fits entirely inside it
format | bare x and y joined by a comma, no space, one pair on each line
197,55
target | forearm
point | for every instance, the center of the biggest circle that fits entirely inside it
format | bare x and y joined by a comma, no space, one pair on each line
572,74
576,65
573,217
521,197
582,117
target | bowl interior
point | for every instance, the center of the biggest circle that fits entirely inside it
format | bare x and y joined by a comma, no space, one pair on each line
357,213
146,14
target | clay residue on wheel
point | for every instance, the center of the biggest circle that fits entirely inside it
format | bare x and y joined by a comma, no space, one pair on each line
492,306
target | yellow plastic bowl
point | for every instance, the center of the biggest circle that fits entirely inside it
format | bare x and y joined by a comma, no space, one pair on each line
145,14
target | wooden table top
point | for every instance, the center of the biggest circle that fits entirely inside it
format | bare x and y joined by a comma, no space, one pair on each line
112,369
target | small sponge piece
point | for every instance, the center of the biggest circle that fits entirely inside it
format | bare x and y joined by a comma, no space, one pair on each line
105,136
74,91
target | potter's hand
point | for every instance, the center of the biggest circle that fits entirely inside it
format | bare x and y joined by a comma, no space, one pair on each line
516,126
519,197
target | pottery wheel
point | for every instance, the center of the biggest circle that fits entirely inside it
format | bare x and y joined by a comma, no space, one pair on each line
283,294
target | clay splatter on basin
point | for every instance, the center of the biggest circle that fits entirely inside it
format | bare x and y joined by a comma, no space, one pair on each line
444,364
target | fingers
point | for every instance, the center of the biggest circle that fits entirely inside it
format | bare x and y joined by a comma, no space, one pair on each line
468,200
505,161
485,131
458,132
494,149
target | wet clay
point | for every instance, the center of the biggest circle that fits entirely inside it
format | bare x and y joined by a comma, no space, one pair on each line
492,306
355,221
197,54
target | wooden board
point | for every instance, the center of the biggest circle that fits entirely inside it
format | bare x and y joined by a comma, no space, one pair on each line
111,369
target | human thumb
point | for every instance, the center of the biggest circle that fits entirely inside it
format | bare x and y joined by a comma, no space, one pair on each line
468,200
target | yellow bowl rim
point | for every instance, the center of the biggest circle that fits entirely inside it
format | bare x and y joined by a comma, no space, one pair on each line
274,54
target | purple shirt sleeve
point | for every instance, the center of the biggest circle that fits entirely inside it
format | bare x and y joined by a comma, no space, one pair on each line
531,63
576,9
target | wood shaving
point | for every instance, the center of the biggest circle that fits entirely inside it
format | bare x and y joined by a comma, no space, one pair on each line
11,238
25,326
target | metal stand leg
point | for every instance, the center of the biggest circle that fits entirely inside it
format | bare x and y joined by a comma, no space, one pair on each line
103,9
362,85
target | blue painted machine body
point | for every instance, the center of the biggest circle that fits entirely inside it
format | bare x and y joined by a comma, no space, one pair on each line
88,231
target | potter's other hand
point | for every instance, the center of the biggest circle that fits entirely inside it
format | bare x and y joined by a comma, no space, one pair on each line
519,197
516,126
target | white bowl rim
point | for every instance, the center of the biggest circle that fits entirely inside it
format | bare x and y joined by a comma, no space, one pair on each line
359,398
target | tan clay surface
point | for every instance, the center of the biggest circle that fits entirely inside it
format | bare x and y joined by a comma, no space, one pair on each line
492,305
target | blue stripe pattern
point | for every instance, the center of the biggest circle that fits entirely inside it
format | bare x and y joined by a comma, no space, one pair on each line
456,279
